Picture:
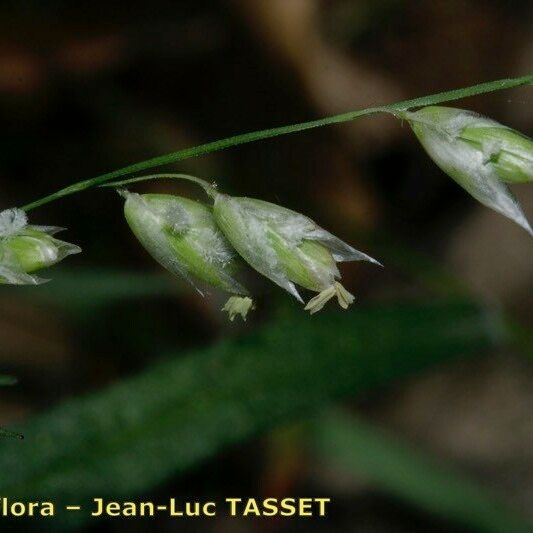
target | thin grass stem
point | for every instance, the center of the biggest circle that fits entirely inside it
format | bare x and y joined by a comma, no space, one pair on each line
223,144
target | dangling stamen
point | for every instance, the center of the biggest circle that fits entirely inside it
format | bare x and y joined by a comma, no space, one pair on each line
319,301
238,305
344,298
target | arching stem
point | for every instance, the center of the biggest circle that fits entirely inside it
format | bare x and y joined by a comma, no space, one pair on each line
223,144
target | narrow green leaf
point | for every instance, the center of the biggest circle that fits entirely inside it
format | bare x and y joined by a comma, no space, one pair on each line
7,380
9,434
134,435
89,288
350,444
445,284
222,144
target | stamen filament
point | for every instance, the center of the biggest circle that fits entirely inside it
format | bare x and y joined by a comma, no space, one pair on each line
344,298
319,301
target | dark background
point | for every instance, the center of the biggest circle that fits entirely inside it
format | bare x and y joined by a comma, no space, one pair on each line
88,87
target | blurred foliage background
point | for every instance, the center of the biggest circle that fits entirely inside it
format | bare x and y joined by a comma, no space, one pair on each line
412,411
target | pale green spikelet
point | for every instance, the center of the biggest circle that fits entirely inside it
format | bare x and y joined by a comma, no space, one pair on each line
25,248
480,154
181,235
286,247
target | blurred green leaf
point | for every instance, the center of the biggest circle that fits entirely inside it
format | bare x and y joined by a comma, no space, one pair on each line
80,289
350,444
10,434
7,380
423,269
124,440
444,284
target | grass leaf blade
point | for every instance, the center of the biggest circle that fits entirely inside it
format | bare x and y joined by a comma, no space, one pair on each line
353,445
136,434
